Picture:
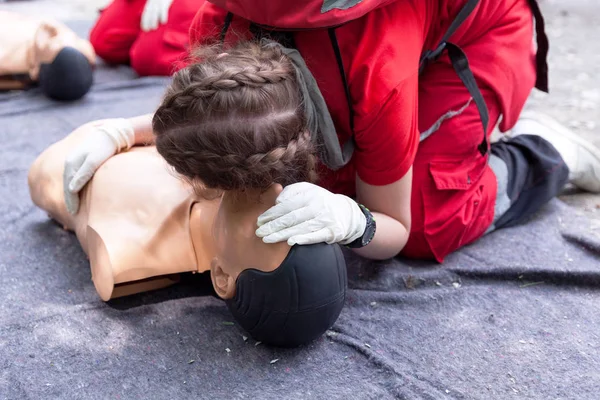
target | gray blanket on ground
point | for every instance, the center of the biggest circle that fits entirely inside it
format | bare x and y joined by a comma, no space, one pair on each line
515,315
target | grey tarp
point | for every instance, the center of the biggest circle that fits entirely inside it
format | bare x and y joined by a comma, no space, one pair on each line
514,316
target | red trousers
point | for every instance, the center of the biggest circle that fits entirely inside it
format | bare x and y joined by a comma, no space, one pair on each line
118,39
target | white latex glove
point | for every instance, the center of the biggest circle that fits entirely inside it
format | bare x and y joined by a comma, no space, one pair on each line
105,139
155,12
308,214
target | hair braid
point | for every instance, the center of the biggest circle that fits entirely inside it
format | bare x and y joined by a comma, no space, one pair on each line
235,121
258,170
230,79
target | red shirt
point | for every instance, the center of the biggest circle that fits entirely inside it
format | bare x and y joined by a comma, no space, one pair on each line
380,51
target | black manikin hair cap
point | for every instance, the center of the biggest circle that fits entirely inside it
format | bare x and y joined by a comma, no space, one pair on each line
68,77
297,302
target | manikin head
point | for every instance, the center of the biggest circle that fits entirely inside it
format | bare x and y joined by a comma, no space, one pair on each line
234,123
62,62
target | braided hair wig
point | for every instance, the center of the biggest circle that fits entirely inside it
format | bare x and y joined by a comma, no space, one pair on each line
235,120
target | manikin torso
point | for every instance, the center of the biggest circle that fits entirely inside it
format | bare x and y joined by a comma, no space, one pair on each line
27,42
139,224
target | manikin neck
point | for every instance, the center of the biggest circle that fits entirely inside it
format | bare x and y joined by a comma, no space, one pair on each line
237,246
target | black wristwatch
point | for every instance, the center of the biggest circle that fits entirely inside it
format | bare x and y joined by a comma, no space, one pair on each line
369,233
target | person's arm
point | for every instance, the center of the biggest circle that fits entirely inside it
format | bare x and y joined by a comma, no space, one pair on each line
386,127
386,145
390,205
385,90
142,128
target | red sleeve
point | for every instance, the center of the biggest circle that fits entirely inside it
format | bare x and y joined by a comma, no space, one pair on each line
385,87
386,148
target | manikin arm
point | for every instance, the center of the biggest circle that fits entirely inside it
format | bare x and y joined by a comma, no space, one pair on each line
134,218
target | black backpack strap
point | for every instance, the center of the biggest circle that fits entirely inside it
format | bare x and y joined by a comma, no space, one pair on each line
460,63
284,38
338,58
348,146
463,14
541,56
225,27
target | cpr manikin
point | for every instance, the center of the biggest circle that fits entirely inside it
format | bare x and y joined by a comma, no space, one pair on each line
140,226
44,52
138,221
230,133
140,234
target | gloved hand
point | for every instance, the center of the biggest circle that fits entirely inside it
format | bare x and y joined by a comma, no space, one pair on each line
105,139
308,214
155,12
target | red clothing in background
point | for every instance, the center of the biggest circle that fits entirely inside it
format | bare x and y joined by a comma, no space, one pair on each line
118,38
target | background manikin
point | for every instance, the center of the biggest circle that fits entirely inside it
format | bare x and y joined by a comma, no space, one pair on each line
26,43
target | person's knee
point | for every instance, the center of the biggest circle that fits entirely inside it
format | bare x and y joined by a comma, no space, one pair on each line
107,44
102,47
148,59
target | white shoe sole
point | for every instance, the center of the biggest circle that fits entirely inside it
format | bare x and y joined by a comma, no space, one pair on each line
562,130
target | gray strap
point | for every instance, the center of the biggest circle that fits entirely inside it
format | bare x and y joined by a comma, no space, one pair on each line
320,123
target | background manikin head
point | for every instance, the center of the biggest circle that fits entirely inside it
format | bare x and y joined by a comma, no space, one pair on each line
61,62
68,77
34,50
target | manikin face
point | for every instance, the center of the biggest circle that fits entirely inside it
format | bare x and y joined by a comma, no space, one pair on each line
236,245
50,39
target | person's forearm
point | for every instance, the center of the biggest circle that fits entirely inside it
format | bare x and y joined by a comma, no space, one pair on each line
390,238
142,126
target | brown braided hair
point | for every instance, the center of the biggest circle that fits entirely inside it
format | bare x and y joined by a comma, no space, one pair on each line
235,120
